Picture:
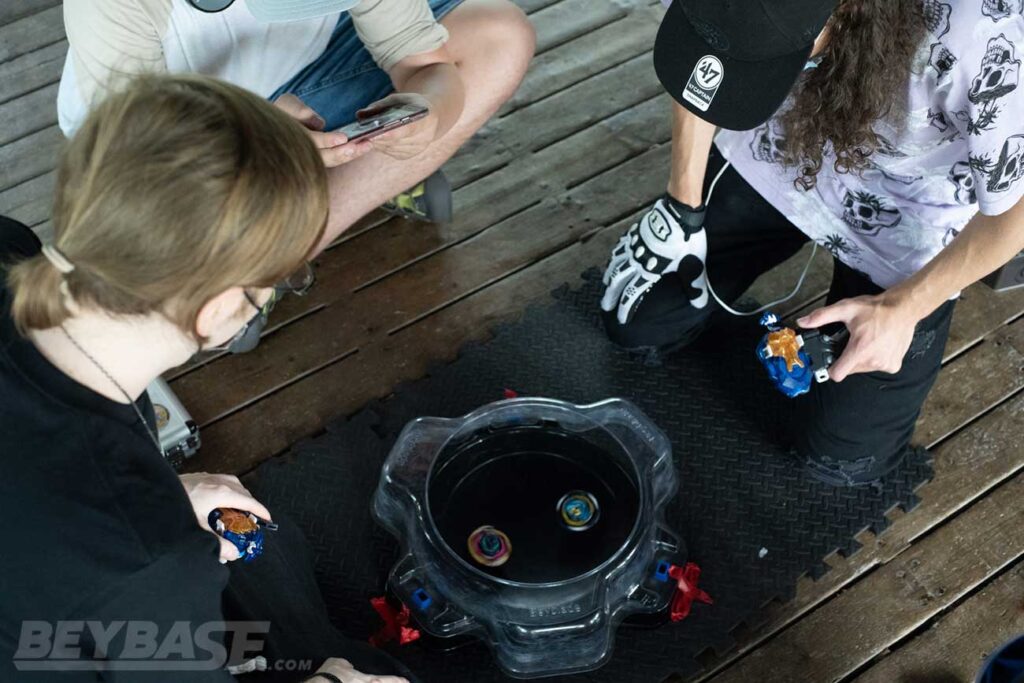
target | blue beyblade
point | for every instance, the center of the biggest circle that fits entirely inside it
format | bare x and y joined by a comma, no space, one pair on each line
781,353
243,529
793,360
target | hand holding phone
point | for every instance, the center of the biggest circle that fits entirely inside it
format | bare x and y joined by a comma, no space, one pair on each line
400,126
382,122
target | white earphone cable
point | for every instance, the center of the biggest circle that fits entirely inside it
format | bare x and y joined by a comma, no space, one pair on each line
762,309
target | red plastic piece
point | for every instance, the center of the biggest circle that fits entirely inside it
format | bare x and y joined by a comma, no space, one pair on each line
686,590
396,624
510,393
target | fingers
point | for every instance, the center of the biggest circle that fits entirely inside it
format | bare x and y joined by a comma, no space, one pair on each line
403,143
300,111
841,311
858,358
845,366
336,156
336,666
226,491
242,501
617,276
228,551
377,107
635,290
343,669
327,140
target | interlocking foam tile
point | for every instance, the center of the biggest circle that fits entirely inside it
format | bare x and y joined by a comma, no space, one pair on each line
750,517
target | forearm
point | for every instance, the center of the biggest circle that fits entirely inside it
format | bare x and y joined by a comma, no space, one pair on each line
691,144
985,244
440,83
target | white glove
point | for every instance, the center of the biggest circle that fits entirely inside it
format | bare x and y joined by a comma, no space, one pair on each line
650,249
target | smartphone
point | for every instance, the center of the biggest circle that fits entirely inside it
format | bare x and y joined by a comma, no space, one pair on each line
382,122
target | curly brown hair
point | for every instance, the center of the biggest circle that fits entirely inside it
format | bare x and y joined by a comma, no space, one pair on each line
861,78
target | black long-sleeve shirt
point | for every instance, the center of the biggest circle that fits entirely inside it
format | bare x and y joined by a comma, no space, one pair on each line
94,524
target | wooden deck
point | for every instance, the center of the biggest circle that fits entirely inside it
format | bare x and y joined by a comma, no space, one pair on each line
542,193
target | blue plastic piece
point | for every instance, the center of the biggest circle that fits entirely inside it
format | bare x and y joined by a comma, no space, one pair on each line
249,542
661,571
421,599
793,382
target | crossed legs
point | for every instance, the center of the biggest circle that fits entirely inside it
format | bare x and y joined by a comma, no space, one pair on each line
492,42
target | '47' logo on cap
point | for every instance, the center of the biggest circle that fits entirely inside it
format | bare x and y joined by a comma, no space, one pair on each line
704,82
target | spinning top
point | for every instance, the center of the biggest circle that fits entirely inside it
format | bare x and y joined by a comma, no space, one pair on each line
243,529
579,510
489,547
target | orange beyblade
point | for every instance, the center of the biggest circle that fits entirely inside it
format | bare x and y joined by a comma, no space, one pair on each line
785,343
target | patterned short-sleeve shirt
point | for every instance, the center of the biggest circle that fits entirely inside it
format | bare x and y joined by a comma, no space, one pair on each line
959,149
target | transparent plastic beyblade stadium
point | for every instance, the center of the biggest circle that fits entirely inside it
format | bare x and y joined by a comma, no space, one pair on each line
534,525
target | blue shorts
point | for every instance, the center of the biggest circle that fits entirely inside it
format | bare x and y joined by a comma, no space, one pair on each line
345,78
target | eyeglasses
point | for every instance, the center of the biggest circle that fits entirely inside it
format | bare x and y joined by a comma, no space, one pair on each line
246,339
298,283
211,5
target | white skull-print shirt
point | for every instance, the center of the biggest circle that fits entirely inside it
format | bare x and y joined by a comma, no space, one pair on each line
959,150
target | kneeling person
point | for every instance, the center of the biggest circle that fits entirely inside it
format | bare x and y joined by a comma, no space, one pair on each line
181,205
908,174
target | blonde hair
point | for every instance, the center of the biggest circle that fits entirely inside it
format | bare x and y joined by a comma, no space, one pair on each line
173,191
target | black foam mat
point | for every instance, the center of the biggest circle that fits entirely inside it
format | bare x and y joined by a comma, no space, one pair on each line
750,517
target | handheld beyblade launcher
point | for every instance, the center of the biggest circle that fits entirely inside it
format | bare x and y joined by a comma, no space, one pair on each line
793,359
534,525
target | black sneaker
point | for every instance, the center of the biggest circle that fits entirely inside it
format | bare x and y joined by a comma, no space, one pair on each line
430,201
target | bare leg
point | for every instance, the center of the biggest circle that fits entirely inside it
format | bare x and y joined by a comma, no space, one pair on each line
492,42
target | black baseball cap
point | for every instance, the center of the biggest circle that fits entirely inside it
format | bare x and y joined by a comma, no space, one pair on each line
732,62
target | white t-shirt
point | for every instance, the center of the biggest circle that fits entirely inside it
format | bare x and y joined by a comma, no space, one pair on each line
111,40
960,149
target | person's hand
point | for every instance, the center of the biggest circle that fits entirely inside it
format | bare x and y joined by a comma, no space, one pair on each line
207,492
881,331
335,149
406,141
343,670
663,242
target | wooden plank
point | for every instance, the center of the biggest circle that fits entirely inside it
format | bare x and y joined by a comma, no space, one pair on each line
32,71
267,427
29,157
979,311
31,201
355,318
955,647
568,19
905,593
606,47
534,127
13,10
406,355
531,6
31,33
591,53
967,467
44,231
28,114
982,377
780,281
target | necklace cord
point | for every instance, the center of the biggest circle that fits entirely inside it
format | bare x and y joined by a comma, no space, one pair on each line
145,425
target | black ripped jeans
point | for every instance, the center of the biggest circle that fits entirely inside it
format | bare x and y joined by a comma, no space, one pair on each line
280,588
856,430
